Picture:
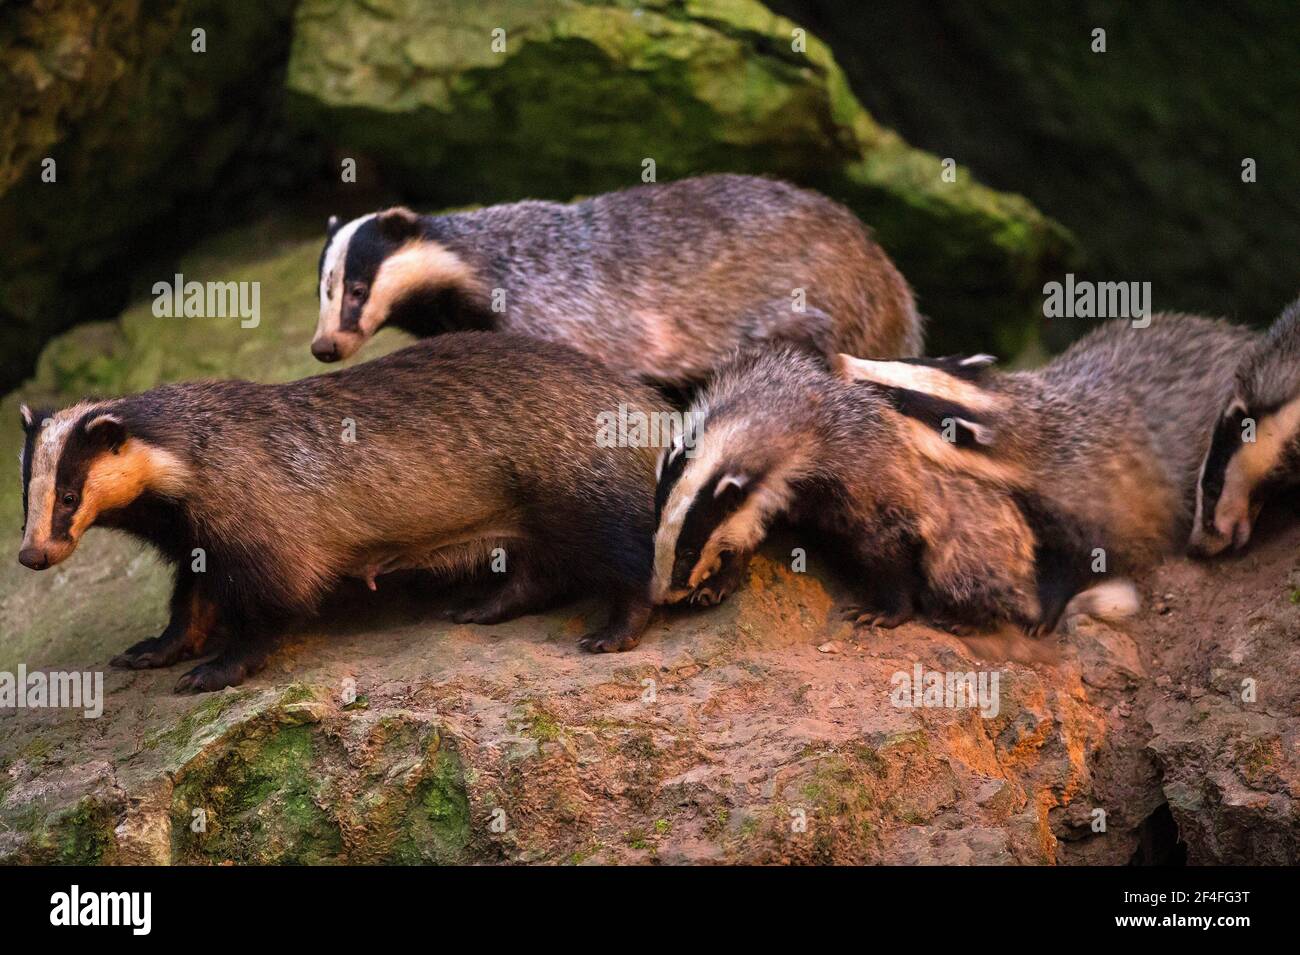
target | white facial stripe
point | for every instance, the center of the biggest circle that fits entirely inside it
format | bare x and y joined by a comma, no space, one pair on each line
46,452
420,263
331,276
1199,518
922,378
744,529
709,450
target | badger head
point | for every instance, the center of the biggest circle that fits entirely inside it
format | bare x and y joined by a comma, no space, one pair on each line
943,409
720,486
76,465
374,266
1255,444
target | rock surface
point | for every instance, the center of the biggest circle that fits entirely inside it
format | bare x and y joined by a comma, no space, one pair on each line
760,731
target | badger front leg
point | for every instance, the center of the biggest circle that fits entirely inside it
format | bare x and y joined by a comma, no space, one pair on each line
722,584
890,585
193,620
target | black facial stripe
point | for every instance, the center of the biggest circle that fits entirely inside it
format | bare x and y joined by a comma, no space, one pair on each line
365,253
672,473
29,451
1224,444
706,514
934,412
320,265
952,365
79,451
432,311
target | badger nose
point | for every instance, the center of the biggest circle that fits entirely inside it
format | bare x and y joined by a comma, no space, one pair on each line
325,350
34,557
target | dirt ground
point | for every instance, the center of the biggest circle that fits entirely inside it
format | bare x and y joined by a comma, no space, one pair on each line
764,730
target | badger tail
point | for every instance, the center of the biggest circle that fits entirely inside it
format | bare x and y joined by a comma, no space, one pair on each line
1112,600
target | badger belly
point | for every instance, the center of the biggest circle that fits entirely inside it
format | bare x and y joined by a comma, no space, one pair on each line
454,555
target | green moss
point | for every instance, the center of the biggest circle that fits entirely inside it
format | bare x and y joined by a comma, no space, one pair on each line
260,796
207,713
436,829
579,856
539,723
86,833
81,834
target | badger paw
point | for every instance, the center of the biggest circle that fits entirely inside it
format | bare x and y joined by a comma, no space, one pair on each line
958,628
161,651
707,595
224,671
608,640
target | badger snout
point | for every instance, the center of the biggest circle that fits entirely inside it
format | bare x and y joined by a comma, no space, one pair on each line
325,349
37,558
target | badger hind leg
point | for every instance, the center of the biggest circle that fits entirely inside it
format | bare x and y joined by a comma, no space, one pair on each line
528,588
628,616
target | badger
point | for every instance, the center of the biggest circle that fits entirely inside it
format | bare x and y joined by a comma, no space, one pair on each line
664,280
971,497
468,455
1255,446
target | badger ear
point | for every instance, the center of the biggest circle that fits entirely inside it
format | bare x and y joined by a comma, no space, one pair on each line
398,224
107,428
731,486
954,380
966,367
26,414
332,226
669,455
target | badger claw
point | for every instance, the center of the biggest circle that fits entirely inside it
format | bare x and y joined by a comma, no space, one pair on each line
863,617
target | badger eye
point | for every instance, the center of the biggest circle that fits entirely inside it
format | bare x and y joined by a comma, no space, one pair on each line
356,289
69,499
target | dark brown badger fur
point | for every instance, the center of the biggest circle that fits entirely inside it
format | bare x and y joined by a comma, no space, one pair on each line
661,280
973,497
463,444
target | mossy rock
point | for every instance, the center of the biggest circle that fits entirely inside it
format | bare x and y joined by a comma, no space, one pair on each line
153,143
286,776
581,94
1138,150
